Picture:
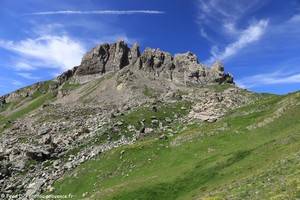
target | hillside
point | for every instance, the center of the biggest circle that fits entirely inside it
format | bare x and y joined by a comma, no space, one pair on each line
126,124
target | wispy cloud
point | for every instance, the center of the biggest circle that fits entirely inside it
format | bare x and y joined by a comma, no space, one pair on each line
47,51
22,65
269,79
99,12
29,76
220,14
253,33
219,22
295,19
51,47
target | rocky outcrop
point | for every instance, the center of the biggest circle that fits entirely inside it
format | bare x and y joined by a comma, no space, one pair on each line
157,62
184,68
215,105
218,74
66,75
107,57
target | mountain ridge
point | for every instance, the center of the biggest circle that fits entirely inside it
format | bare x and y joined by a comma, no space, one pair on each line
183,68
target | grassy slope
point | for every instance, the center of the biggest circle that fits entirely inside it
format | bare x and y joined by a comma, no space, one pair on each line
25,105
203,161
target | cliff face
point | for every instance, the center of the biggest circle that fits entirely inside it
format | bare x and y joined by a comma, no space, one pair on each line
105,58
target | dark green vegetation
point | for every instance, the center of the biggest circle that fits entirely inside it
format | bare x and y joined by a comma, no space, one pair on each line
252,153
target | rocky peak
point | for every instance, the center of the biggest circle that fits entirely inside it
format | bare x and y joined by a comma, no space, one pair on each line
217,66
107,57
134,53
181,68
188,62
187,58
156,60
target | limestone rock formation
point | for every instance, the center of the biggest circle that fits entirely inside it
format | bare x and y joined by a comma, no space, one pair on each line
107,57
183,68
66,75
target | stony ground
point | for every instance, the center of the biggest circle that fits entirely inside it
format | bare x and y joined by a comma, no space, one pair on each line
202,160
57,137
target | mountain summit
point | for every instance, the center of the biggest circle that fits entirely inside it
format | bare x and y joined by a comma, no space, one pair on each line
181,68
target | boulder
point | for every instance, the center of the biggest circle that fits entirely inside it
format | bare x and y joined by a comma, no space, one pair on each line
44,130
4,171
35,187
148,130
38,154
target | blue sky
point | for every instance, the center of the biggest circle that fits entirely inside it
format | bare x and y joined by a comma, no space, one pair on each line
258,40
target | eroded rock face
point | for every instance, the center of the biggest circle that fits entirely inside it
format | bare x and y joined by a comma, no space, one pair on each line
66,75
107,57
157,62
218,74
183,68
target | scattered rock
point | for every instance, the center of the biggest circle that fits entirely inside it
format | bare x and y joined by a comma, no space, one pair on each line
38,154
155,122
44,130
148,130
34,187
163,137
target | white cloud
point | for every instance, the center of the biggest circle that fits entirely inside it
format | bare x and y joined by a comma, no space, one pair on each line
48,51
269,79
230,28
22,65
206,36
115,37
253,33
295,19
217,13
29,76
219,22
99,12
